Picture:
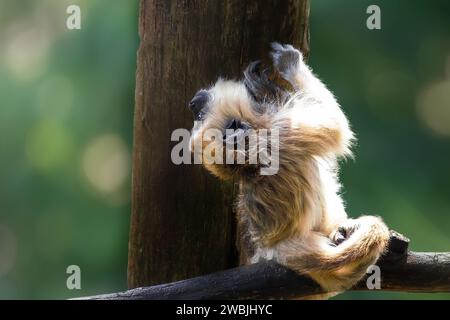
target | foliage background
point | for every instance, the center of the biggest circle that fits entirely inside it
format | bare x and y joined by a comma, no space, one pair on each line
66,109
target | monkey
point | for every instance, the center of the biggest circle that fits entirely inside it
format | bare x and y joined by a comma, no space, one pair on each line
296,216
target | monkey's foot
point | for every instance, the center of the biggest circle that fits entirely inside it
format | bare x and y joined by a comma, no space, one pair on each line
287,60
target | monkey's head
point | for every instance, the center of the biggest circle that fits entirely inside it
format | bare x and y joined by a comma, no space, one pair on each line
231,121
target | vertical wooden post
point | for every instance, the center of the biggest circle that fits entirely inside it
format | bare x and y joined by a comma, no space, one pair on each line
182,224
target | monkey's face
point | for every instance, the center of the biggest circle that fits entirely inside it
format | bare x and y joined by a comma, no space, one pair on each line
226,124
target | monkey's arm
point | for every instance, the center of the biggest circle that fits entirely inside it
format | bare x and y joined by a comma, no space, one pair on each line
317,129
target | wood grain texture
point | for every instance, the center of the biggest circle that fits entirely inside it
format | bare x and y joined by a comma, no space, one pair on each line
182,224
400,271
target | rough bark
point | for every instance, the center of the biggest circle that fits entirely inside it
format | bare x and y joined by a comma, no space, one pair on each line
182,223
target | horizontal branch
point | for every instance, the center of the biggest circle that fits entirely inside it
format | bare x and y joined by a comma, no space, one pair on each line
401,270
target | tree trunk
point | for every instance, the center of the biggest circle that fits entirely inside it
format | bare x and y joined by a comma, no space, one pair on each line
182,223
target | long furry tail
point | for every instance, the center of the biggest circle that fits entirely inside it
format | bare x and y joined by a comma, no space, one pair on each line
337,268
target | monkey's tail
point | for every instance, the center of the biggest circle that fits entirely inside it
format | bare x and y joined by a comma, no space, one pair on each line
337,268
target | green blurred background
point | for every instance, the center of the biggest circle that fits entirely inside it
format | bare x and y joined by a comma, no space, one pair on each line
66,113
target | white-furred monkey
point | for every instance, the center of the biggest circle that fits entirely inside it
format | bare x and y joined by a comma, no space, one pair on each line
296,216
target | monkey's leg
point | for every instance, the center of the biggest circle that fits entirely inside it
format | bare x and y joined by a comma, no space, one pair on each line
317,120
337,267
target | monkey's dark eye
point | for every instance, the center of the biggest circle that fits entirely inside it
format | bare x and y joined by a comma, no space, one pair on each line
198,103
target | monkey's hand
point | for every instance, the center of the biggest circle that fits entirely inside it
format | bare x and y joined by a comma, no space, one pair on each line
288,61
344,232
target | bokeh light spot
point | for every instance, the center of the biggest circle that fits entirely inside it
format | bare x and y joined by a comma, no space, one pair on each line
26,50
106,162
433,107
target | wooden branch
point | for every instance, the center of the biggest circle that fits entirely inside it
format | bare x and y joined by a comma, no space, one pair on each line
400,271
